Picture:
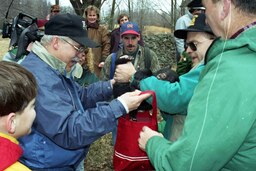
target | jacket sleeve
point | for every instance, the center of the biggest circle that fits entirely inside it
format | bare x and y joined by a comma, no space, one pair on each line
173,97
105,44
59,119
96,92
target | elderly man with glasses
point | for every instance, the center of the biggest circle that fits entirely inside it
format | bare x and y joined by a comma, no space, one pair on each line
69,117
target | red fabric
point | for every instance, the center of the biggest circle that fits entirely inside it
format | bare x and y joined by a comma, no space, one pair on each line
41,22
9,153
127,154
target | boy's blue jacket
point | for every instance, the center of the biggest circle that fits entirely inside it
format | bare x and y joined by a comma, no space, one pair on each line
68,117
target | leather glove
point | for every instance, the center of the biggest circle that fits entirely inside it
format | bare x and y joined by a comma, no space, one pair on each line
138,76
167,74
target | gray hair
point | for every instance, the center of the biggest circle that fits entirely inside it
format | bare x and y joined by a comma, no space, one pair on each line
46,39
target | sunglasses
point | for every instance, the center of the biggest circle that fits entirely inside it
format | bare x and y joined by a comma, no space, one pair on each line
191,45
56,11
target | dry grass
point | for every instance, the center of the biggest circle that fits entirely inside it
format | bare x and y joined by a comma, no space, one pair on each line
4,44
155,30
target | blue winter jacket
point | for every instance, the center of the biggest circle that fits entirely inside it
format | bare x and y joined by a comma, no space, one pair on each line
68,117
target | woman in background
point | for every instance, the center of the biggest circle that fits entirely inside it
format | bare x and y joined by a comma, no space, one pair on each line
98,34
55,9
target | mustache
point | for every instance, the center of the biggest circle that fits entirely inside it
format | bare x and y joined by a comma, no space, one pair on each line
130,45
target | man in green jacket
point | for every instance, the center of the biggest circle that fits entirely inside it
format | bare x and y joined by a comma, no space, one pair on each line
173,97
220,129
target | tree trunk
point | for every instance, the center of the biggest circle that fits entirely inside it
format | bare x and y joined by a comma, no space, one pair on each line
111,20
142,13
79,6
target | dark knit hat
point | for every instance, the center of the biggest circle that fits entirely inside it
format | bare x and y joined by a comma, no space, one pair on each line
72,26
196,4
198,24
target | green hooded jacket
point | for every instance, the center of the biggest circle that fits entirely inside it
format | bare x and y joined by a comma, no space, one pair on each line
220,129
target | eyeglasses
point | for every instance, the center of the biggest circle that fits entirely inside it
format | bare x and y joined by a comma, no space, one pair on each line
80,49
191,45
56,11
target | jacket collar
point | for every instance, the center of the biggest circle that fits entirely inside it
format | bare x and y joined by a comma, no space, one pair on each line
55,63
219,46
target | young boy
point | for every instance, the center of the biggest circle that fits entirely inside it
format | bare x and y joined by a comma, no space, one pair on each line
18,90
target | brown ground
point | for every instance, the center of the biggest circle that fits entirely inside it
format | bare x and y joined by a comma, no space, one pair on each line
155,30
100,155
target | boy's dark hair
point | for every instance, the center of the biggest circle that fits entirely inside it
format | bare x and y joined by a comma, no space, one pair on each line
122,16
17,88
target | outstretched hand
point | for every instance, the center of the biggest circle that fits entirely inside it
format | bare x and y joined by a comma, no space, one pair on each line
145,134
133,99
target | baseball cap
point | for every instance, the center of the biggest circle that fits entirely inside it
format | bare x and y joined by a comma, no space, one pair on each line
196,4
130,28
198,24
72,26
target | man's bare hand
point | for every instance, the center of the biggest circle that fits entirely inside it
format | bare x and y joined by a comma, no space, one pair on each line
133,99
145,134
101,65
124,72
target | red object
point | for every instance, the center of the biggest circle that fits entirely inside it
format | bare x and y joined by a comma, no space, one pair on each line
9,153
127,154
41,23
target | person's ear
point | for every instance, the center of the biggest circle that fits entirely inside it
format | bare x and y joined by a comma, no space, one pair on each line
11,123
138,37
56,42
226,9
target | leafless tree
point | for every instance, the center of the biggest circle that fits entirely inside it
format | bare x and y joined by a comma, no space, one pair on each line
80,5
111,23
